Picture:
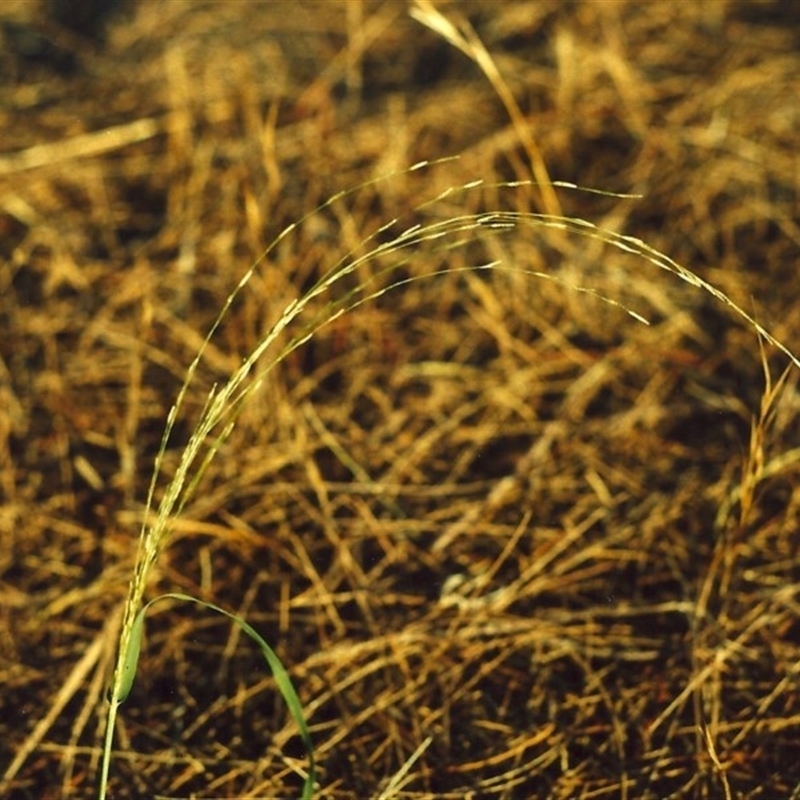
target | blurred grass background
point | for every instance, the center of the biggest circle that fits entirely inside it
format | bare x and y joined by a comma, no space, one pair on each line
482,509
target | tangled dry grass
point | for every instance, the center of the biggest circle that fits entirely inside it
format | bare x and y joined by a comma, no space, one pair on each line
509,541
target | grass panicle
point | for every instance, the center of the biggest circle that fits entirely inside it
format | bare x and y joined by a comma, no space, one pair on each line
432,231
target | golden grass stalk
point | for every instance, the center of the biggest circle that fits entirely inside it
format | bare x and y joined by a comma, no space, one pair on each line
443,234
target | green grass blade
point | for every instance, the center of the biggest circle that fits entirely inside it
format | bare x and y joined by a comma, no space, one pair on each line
131,658
282,679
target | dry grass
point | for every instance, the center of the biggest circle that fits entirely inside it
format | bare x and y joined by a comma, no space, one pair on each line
509,541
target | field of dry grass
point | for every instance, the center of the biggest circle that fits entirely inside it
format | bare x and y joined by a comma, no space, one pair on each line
508,540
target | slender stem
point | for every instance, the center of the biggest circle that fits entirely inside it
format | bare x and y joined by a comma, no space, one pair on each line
107,745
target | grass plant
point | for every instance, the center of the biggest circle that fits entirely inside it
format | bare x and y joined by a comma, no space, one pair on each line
372,262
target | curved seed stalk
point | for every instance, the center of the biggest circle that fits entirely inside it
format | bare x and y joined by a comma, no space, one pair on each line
225,402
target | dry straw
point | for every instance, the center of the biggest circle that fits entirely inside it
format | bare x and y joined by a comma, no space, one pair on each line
435,229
